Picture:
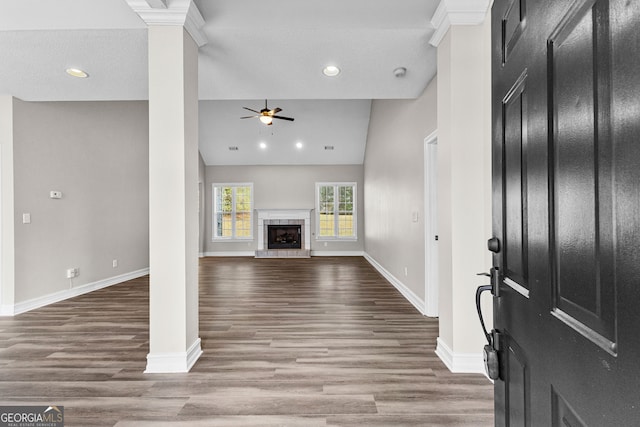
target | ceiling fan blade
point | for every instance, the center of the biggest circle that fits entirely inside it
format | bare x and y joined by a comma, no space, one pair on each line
275,111
283,118
246,108
248,117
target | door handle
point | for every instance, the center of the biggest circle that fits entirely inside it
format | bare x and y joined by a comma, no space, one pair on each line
490,353
479,292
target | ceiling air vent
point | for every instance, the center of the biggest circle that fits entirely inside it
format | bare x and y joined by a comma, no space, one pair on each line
233,148
328,147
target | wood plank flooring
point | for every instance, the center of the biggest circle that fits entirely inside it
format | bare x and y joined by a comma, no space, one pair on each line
323,341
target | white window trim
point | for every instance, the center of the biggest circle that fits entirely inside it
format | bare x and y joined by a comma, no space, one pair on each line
355,212
233,237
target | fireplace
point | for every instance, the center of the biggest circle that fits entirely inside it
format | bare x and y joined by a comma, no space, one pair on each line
284,236
284,233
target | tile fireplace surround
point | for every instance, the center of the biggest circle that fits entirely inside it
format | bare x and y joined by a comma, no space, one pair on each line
268,217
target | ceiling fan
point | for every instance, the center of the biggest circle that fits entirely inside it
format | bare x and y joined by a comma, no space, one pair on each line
266,115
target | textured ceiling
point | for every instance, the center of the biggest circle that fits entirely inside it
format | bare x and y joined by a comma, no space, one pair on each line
255,50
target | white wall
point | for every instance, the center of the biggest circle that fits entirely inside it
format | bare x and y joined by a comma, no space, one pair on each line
394,186
285,187
96,153
464,190
7,271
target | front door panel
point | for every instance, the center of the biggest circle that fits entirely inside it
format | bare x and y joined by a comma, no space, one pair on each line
566,199
584,289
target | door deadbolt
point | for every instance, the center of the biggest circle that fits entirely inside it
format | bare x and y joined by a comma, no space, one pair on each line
493,244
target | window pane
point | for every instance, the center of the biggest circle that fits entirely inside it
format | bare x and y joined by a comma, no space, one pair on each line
243,199
243,224
226,201
327,224
346,199
226,225
326,200
345,225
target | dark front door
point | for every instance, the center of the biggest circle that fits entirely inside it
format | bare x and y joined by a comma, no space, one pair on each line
566,190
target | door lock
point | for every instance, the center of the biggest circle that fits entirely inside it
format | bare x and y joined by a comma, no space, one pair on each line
493,244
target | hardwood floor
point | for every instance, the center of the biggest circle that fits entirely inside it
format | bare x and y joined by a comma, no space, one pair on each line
287,342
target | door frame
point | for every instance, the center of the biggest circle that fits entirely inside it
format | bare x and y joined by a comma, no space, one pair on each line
430,225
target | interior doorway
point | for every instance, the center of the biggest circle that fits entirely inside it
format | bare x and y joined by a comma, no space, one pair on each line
431,232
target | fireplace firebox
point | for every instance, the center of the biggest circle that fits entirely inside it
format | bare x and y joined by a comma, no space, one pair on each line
284,237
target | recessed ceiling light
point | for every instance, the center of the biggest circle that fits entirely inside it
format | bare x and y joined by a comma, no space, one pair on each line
298,144
331,71
76,72
400,72
263,145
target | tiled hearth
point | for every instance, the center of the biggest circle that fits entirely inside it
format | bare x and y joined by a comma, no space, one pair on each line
268,217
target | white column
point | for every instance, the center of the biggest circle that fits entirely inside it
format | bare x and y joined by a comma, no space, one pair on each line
464,170
173,200
7,248
174,38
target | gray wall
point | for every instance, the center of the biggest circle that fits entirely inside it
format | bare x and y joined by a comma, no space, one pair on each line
284,187
202,214
96,153
394,186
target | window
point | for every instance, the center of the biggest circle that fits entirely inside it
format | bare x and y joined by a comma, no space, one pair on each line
232,211
336,210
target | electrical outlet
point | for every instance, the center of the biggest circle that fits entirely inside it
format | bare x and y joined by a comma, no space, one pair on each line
73,272
115,263
406,271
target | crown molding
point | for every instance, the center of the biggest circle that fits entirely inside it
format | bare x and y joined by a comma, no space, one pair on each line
457,12
179,12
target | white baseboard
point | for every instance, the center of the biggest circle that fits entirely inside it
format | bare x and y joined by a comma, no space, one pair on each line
406,292
23,307
253,253
230,253
337,253
168,363
467,363
7,310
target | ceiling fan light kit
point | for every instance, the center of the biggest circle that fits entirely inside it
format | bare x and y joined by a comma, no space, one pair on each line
266,119
266,115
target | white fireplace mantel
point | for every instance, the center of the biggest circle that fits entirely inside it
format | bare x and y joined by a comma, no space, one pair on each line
297,214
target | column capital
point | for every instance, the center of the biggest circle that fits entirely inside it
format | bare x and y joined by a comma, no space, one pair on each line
457,12
177,12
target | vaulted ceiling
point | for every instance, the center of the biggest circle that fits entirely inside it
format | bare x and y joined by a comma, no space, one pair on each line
255,50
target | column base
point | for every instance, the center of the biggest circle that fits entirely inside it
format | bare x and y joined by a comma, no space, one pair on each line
168,363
